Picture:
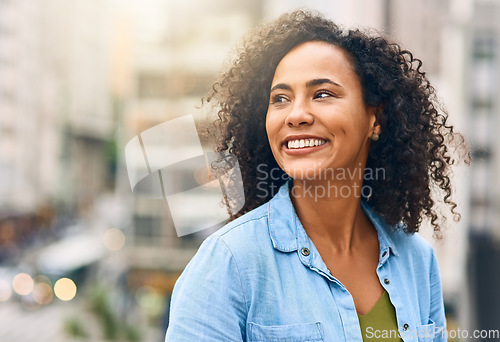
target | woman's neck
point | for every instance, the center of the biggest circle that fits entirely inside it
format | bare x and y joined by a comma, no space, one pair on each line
330,211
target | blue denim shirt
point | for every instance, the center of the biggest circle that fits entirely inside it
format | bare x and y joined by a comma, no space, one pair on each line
253,281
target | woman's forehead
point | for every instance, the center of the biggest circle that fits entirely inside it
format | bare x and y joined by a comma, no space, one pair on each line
314,60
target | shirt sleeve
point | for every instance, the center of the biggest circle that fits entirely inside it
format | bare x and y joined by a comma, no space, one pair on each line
208,302
437,305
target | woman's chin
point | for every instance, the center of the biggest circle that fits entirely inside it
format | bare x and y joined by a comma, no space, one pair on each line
305,172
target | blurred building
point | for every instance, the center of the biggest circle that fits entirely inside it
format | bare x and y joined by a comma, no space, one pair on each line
55,110
54,100
56,134
481,80
77,44
29,127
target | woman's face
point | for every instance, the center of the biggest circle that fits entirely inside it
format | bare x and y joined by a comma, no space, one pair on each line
317,120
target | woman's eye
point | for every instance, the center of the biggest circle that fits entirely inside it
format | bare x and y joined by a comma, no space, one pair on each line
323,95
278,99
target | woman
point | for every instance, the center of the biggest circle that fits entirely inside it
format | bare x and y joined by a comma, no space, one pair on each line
355,142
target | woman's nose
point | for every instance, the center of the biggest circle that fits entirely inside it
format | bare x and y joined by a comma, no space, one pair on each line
299,116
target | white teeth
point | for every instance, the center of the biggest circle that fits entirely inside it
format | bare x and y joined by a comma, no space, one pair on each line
305,143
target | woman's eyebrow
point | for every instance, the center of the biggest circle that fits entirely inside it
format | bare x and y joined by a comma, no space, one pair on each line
319,81
309,84
281,86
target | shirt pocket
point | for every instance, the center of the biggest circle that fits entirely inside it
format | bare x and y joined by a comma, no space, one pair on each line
304,332
425,333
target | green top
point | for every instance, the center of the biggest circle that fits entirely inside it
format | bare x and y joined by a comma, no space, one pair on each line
380,324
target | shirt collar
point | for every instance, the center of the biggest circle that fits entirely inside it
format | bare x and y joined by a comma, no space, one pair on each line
283,221
284,224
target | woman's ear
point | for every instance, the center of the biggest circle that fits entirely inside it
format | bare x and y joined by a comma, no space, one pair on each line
377,129
375,114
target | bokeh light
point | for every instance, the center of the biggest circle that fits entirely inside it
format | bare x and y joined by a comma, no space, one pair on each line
42,293
42,279
5,290
150,300
23,284
65,289
114,239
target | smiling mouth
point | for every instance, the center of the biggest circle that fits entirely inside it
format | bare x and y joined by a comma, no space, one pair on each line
304,143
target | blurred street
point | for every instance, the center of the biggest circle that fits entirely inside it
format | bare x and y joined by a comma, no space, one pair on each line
44,325
47,324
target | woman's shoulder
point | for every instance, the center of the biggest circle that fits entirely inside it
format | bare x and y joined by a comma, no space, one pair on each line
396,237
241,236
410,242
250,225
412,248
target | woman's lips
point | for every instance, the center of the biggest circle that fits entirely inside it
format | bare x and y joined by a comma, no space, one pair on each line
304,143
296,147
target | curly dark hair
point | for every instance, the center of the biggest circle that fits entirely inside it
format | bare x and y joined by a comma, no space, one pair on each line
413,149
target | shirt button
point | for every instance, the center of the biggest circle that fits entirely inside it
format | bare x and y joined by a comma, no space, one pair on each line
305,251
406,326
387,281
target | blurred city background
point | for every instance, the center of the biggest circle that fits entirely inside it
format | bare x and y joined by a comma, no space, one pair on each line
81,257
